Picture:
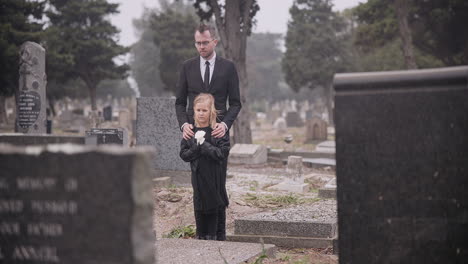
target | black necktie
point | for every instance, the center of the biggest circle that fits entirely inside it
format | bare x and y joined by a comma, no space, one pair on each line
206,80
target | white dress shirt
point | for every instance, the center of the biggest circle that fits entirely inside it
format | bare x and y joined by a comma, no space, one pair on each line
203,66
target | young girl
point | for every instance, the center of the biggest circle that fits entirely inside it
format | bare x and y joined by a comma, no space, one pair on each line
207,156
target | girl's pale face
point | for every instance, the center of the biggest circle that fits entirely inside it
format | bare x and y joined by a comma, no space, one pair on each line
202,114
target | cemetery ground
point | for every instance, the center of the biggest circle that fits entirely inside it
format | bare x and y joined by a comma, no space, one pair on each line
248,194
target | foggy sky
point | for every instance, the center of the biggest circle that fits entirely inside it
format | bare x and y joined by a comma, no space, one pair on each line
272,17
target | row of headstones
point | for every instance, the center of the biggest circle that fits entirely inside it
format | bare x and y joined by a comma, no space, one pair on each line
31,114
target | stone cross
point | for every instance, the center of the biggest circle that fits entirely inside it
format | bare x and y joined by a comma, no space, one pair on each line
31,93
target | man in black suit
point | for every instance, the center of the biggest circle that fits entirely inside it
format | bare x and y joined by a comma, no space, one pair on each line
207,73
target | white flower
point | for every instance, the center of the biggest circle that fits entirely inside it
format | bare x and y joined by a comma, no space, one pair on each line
200,137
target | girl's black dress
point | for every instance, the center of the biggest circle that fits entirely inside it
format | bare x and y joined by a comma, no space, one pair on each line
208,163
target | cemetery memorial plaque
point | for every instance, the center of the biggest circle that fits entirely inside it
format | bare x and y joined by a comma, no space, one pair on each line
402,166
29,106
55,210
98,136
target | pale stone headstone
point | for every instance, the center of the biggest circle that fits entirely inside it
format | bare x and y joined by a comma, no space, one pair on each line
294,181
124,119
248,154
31,93
76,204
280,125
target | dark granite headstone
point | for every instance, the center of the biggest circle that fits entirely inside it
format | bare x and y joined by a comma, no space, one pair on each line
402,166
98,136
293,119
107,113
76,205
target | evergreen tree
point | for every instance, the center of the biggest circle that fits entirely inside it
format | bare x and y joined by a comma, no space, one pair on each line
82,43
144,58
264,66
315,48
174,29
16,27
438,29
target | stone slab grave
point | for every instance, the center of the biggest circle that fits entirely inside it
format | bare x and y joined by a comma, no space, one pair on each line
328,191
310,226
157,126
53,209
248,154
281,155
320,163
294,178
402,166
192,251
39,139
326,146
99,136
31,94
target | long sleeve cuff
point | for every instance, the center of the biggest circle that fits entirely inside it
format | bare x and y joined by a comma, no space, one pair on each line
182,127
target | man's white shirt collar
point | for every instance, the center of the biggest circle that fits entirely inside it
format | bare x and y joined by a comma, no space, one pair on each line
212,60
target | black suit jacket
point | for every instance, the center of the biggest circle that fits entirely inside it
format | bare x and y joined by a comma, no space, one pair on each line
224,86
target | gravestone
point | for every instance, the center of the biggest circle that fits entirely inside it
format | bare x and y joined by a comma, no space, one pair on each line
98,136
294,181
107,113
157,126
31,93
293,119
76,205
124,119
248,154
280,125
402,172
316,129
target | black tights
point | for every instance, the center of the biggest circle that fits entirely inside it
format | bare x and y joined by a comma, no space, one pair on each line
211,225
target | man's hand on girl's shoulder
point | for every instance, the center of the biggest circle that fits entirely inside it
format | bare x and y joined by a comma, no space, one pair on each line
187,131
219,131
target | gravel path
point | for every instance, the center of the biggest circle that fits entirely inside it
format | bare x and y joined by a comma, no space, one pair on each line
320,211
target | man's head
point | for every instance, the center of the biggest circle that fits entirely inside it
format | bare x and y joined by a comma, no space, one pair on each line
205,40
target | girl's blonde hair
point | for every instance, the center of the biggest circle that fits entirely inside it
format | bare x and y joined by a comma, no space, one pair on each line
207,98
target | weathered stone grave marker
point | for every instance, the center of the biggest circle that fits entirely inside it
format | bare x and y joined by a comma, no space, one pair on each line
316,129
157,126
76,205
294,181
31,93
402,172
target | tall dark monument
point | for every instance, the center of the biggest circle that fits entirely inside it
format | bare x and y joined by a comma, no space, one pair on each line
402,166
